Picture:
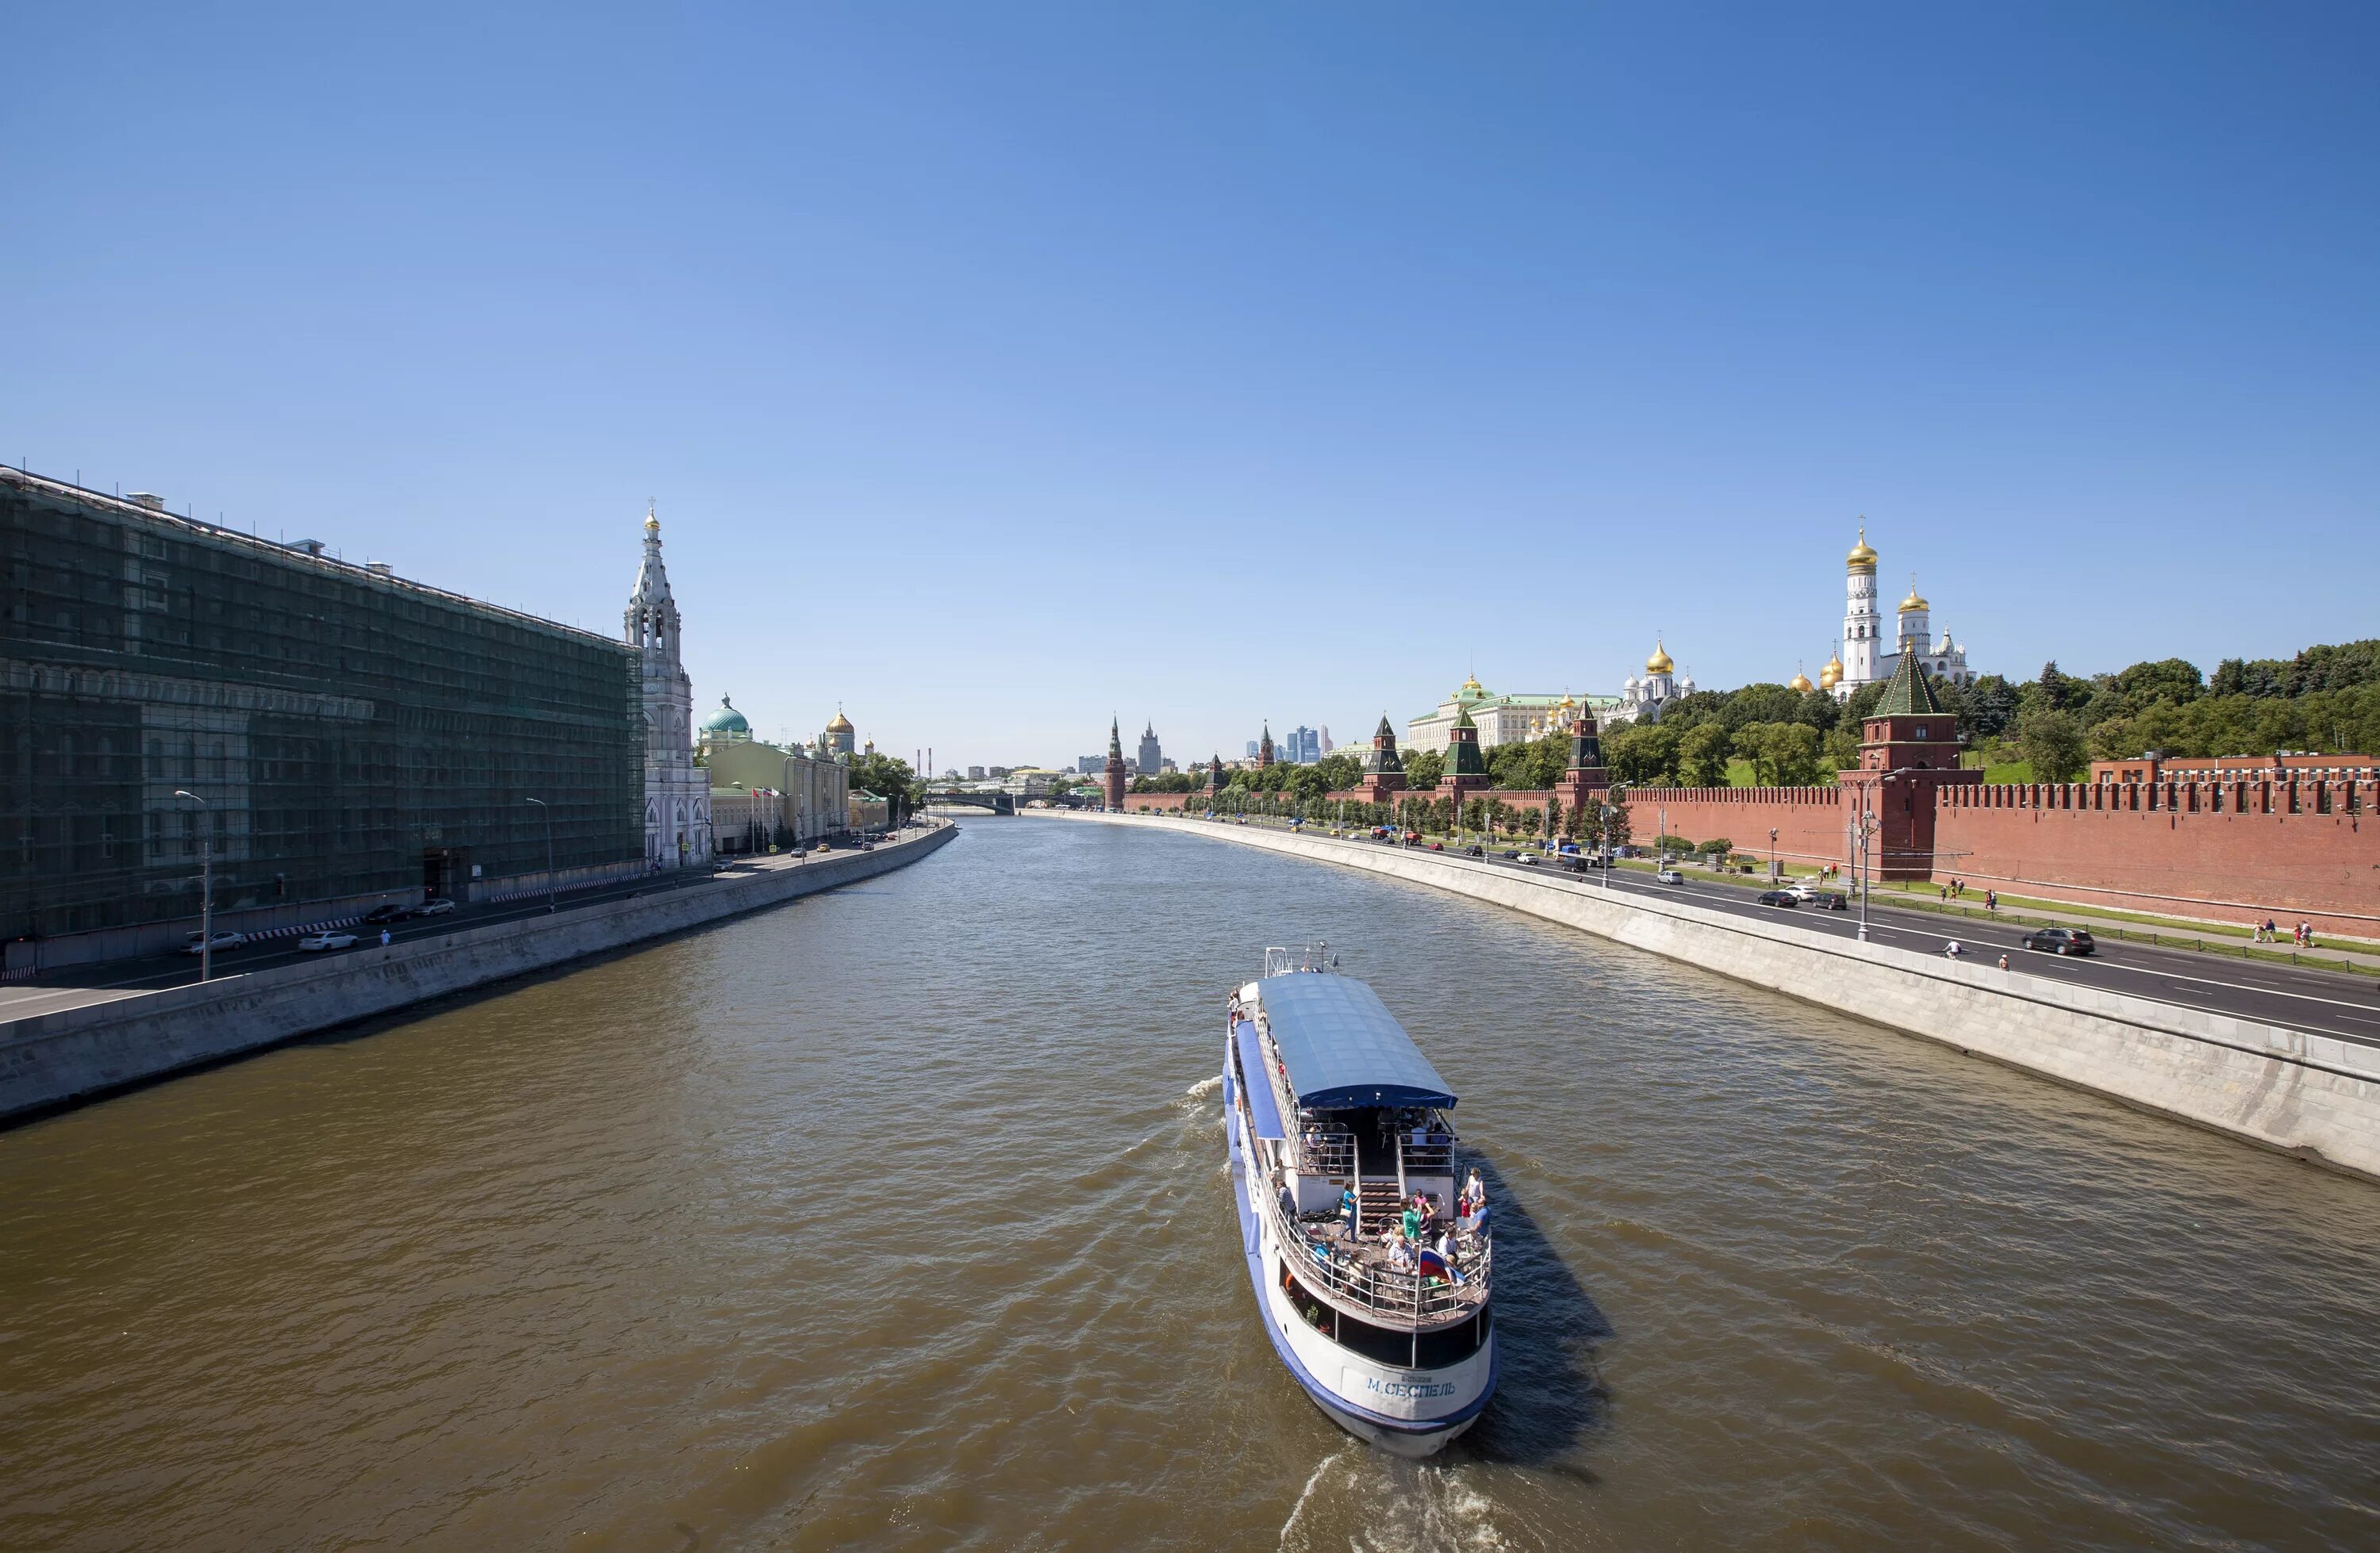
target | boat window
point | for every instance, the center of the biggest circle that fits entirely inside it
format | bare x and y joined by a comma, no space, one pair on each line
1379,1344
1317,1315
1437,1350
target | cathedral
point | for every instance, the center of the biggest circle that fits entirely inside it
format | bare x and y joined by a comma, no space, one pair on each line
1861,658
677,793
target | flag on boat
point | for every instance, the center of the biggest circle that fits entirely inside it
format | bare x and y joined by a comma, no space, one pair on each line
1432,1265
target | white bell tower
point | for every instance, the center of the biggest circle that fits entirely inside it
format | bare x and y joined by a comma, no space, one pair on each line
677,793
1864,652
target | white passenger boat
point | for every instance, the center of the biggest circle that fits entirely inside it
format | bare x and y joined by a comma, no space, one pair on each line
1339,1132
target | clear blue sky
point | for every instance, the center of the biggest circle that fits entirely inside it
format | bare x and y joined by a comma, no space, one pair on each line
1231,362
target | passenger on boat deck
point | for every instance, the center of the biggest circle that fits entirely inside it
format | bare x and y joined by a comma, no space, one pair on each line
1410,1224
1401,1253
1347,1210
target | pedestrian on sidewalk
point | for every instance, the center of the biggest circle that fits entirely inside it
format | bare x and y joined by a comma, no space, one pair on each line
2004,961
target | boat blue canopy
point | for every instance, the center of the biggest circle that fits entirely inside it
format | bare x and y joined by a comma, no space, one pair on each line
1262,1108
1343,1047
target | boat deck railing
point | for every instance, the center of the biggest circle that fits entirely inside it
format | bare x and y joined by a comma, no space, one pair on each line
1377,1290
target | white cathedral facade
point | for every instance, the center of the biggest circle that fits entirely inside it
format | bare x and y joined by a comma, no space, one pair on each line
677,791
1863,657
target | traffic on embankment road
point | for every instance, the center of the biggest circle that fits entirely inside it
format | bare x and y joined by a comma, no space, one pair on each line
78,985
2319,1002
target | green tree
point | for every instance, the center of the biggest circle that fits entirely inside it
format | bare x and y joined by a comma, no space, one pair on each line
2173,679
1339,770
1423,767
889,779
2051,743
1702,756
1789,754
1643,755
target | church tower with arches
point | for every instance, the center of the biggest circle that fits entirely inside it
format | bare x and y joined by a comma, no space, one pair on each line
677,793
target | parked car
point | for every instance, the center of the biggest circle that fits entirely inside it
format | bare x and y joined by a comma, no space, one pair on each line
197,943
438,907
2060,940
385,914
314,943
1777,898
1669,876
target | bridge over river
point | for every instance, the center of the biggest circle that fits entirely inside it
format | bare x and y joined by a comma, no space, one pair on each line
897,1216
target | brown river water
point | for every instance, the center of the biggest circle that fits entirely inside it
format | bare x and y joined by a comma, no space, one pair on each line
898,1218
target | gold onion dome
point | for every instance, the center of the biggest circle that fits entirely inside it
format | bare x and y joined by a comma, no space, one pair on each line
1861,559
1800,683
1912,603
1471,688
1659,663
840,724
1832,675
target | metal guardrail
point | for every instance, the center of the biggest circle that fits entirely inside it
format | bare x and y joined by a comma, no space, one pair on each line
1379,1290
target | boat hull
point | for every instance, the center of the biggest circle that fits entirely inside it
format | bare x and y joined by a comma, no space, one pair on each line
1421,1411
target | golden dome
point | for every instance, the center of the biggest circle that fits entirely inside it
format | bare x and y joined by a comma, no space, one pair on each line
1912,603
1800,683
1832,673
1659,663
1566,704
1470,690
840,724
652,524
1861,559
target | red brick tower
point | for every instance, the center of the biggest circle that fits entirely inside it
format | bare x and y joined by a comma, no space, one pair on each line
1384,769
1466,768
1909,750
1264,747
1587,781
1111,778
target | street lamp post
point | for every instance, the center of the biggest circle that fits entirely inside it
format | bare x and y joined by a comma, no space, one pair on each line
550,887
1772,855
1863,827
206,893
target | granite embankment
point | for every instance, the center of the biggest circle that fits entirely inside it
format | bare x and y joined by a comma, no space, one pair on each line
51,1059
2293,1090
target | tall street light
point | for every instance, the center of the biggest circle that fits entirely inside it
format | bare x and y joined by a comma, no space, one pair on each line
1772,855
206,893
549,850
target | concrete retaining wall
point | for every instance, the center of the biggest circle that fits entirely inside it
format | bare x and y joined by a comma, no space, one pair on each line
49,1059
2305,1094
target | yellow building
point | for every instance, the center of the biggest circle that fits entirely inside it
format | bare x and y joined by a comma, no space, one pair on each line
776,797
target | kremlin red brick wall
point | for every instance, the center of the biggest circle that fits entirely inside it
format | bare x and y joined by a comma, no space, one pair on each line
1812,823
2232,851
2229,851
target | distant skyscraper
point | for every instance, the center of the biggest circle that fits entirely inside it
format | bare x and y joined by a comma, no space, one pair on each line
1252,749
1303,748
1151,758
1327,745
975,773
1087,765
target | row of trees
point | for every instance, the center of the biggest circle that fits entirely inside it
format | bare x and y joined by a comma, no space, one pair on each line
1482,814
2326,699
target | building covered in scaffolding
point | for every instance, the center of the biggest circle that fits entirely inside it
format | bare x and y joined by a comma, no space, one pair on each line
334,735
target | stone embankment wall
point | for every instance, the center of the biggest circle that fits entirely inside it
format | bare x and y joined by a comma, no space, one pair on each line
50,1059
2215,850
2305,1094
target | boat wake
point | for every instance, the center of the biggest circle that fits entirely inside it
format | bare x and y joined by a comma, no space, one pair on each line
1358,1498
1206,1085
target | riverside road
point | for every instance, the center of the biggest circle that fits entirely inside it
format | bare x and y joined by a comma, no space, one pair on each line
2320,1002
74,986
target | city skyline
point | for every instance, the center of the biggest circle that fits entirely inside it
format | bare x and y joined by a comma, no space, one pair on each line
2081,339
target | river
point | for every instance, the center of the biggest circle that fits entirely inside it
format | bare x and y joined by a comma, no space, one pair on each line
897,1217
